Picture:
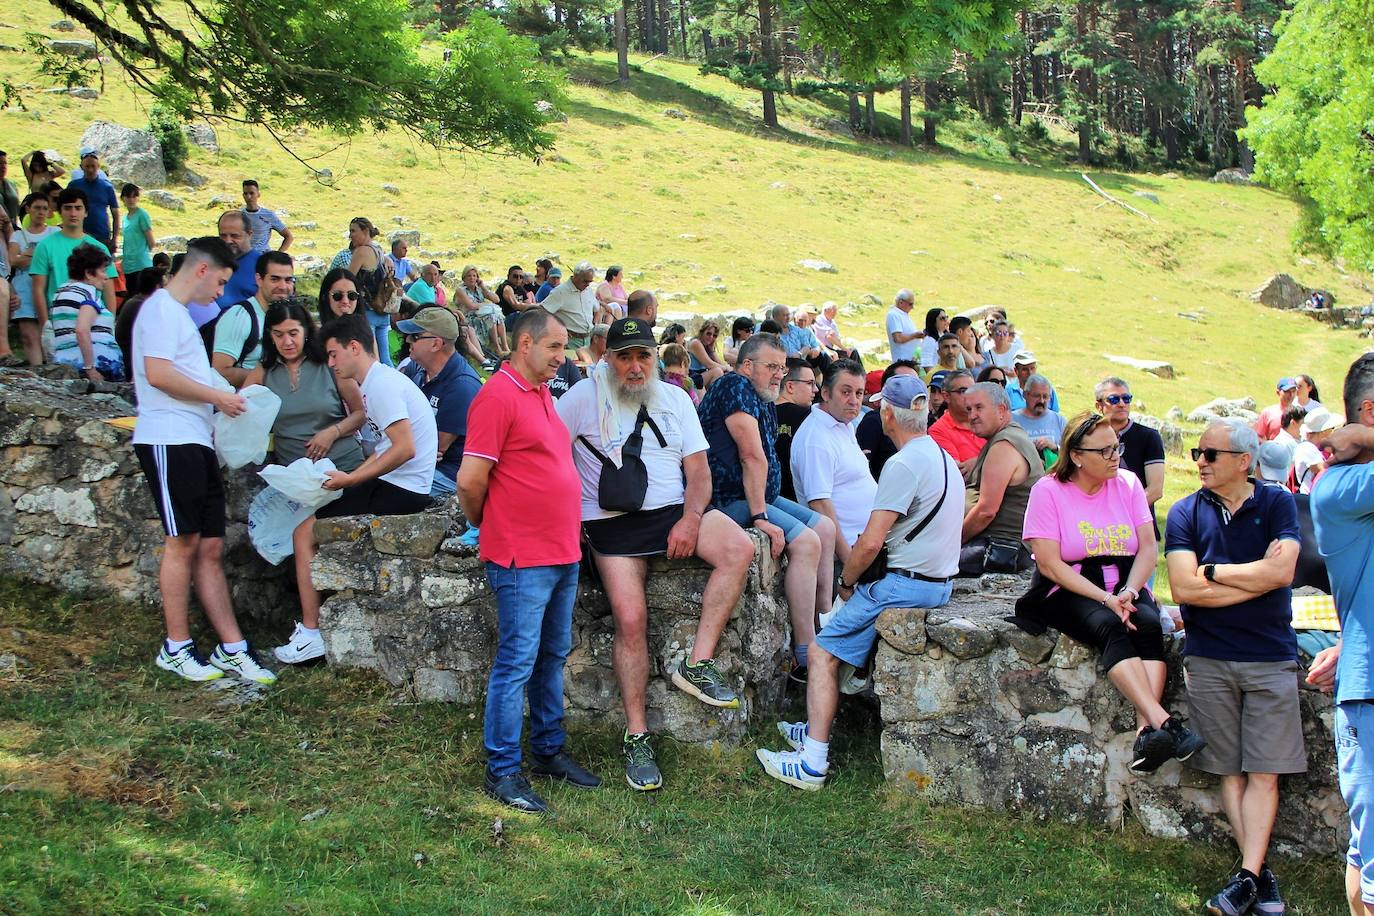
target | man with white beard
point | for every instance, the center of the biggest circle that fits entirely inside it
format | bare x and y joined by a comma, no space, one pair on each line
635,438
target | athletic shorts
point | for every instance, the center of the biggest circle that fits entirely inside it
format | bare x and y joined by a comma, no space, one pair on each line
187,488
1249,714
634,534
376,497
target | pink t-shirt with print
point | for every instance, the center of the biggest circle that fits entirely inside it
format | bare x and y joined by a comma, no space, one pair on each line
1102,524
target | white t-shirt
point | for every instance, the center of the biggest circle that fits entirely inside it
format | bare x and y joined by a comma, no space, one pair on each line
164,330
1307,461
898,320
827,463
575,309
930,352
670,408
910,485
389,396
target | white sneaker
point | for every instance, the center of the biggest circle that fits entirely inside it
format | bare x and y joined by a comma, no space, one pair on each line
793,733
301,647
187,662
242,664
850,683
787,766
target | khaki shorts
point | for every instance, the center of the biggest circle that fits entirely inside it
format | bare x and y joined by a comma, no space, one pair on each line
1249,714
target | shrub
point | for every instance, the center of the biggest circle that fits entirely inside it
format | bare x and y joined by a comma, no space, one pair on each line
165,125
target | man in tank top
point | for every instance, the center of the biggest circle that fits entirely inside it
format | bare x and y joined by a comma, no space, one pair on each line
999,483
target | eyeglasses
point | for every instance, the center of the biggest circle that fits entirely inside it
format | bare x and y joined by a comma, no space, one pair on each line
1108,452
805,381
1115,399
340,296
1211,453
998,381
416,338
773,368
962,390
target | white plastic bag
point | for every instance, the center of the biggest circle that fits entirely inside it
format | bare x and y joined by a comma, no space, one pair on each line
243,439
302,481
272,519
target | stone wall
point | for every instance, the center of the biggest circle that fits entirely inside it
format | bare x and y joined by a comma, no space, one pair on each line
74,506
977,712
413,604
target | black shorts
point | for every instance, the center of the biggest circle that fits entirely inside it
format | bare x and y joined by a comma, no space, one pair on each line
634,534
375,497
187,488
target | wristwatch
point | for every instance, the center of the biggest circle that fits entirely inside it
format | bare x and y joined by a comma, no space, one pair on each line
762,516
1209,572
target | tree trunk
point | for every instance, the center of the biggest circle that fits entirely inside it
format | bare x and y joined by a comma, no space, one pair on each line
770,106
622,46
906,111
1083,79
682,23
930,99
665,19
855,119
870,115
1018,76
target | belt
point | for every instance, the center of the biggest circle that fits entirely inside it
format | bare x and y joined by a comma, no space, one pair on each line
906,573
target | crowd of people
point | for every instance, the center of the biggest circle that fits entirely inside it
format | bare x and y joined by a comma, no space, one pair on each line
880,487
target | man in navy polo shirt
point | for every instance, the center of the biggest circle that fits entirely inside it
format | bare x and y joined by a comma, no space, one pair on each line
102,204
449,383
236,232
1232,548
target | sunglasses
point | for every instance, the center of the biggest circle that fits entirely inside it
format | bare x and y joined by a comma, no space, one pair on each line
416,338
340,296
1107,452
962,390
1115,399
1211,453
998,381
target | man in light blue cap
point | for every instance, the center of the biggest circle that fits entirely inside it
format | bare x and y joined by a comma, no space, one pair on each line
917,517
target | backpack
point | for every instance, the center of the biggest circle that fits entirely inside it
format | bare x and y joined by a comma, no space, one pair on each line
207,333
378,288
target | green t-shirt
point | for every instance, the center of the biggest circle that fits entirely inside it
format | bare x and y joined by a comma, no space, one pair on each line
50,260
136,255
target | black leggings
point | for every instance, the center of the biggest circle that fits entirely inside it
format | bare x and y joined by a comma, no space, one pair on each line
1092,623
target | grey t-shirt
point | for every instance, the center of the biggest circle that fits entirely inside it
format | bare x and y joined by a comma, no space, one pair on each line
1050,425
910,485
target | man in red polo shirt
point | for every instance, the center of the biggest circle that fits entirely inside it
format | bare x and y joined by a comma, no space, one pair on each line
517,481
951,432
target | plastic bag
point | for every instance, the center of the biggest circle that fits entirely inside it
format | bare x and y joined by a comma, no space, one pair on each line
302,481
272,519
243,439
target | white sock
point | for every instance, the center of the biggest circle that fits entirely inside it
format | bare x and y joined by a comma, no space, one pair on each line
815,754
233,648
176,645
310,631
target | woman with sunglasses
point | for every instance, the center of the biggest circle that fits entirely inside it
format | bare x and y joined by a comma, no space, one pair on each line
1307,393
995,374
704,366
937,325
1093,537
338,295
741,329
1003,349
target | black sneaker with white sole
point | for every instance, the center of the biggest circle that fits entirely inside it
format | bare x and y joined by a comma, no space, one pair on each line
514,791
1186,741
1152,748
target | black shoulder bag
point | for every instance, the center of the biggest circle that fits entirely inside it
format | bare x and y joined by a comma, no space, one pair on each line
622,489
878,568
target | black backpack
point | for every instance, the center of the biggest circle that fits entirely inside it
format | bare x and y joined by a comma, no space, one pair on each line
207,332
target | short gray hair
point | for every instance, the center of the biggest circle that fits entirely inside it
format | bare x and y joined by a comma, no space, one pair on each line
777,310
600,330
1110,381
910,419
904,294
1036,379
584,267
753,345
997,395
1239,436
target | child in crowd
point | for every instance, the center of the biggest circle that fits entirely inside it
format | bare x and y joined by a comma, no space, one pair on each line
675,371
137,234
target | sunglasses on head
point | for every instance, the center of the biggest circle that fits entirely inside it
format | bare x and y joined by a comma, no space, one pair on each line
1211,453
1115,399
340,296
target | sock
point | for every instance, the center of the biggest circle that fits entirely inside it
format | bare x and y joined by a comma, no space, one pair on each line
692,664
176,645
815,755
233,648
310,631
1249,874
800,653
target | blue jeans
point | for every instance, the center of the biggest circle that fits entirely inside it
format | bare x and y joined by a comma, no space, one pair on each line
442,486
851,633
381,329
534,624
1354,727
792,517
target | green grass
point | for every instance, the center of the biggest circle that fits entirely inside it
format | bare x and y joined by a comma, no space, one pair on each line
123,790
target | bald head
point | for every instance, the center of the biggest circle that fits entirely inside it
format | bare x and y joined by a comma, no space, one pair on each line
643,305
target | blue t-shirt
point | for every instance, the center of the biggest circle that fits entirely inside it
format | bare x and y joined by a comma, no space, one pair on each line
1343,516
1257,630
543,292
243,283
100,197
262,221
733,393
797,339
450,393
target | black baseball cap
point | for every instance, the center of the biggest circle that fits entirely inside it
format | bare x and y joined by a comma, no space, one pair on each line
630,332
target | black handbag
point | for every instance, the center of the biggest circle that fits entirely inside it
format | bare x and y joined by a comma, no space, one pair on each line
878,568
622,489
1002,556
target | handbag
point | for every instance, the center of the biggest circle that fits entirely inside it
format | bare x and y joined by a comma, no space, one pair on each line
1001,556
878,568
622,489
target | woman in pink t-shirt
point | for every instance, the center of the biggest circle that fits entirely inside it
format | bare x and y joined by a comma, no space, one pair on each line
1090,528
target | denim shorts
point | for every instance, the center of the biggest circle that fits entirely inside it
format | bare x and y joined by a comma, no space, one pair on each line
792,518
1354,726
851,633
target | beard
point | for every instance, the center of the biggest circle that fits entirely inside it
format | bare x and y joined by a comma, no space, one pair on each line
632,394
768,393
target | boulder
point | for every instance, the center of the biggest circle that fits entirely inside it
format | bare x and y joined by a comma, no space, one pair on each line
63,25
390,189
172,243
190,179
74,47
1231,176
164,199
1152,366
816,264
202,135
1217,408
1281,291
309,265
84,92
675,113
127,154
1169,432
409,236
1146,195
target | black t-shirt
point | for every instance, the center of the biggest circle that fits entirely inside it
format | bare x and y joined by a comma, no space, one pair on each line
516,290
790,417
876,446
568,375
1141,446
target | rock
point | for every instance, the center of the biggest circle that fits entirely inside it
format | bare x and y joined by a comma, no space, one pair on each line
190,179
778,186
164,199
84,92
223,202
325,176
1281,291
1154,367
409,535
126,154
390,189
203,136
1169,432
306,227
74,47
1174,414
1244,408
834,126
675,113
1192,316
1231,176
400,220
63,25
814,264
961,636
904,629
409,236
549,111
172,243
309,265
1146,195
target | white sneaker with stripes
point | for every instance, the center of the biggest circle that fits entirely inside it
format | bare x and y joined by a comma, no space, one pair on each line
787,766
186,662
793,733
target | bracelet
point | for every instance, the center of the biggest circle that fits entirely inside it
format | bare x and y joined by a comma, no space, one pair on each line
1135,595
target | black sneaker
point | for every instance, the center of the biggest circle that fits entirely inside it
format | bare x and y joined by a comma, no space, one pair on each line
1270,901
562,766
1152,748
704,681
797,675
641,769
1236,898
514,791
1186,741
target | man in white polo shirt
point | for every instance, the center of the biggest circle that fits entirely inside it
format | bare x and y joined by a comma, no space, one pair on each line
574,304
394,480
829,470
902,335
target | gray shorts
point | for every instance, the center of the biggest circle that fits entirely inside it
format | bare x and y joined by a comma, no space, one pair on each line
1249,714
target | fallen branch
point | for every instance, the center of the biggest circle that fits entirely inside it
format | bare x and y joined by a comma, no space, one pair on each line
1120,203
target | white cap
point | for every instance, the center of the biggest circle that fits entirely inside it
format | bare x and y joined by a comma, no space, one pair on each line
1321,420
